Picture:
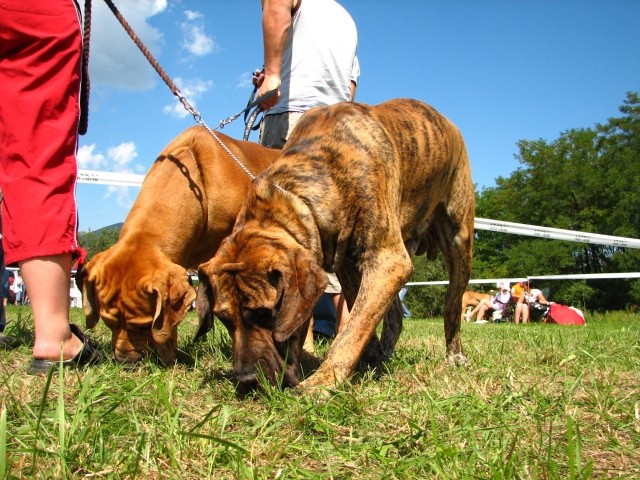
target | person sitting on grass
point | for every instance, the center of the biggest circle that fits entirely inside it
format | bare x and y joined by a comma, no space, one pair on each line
495,303
529,303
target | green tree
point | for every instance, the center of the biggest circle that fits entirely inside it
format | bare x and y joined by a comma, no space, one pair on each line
98,241
426,301
586,180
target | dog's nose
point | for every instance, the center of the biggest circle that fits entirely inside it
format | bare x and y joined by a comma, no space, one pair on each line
126,357
247,382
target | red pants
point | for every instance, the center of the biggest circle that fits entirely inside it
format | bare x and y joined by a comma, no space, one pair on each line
40,71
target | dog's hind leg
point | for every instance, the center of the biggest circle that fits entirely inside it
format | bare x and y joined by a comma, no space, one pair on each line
455,239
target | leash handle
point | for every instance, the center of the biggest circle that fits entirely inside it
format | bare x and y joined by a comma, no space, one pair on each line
250,122
266,96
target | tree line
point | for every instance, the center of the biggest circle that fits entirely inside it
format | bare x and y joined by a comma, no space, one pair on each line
586,180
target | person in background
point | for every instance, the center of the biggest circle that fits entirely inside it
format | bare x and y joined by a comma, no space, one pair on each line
40,74
405,311
17,287
517,291
497,303
532,298
310,59
483,306
8,295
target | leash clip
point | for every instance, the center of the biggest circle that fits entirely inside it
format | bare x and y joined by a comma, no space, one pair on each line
187,106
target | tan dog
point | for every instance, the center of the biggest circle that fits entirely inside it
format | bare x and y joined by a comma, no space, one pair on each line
358,190
472,299
187,204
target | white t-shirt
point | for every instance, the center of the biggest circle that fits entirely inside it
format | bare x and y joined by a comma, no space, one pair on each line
501,300
319,65
533,295
17,284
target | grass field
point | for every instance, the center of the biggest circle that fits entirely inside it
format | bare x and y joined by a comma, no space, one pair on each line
538,401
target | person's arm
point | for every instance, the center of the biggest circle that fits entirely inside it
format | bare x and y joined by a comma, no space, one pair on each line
276,23
355,74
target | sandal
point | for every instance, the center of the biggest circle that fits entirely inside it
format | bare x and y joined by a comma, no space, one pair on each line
88,355
9,341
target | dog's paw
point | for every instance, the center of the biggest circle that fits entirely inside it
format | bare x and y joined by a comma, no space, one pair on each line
320,381
314,391
458,360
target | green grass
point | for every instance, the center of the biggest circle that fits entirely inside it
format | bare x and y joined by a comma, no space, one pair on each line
538,401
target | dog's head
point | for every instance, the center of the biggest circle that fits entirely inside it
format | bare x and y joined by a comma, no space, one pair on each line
263,287
142,300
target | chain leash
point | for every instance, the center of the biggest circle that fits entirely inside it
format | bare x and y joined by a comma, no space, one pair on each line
185,103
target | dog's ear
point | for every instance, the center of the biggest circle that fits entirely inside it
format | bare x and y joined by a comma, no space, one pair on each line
172,299
205,299
86,282
300,284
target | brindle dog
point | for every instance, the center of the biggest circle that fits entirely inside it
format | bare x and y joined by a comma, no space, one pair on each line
187,204
358,190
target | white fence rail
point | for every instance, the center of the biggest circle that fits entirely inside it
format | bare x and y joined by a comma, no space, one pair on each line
554,233
577,276
134,180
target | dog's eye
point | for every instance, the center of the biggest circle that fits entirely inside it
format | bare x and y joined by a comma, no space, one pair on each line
226,318
274,277
139,326
259,316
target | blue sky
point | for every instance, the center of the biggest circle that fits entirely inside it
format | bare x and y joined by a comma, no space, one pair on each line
502,70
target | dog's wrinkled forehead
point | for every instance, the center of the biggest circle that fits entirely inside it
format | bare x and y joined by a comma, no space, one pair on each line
131,308
245,286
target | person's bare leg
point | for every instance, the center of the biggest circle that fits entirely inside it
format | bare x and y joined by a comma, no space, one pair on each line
518,313
482,310
47,281
470,315
342,310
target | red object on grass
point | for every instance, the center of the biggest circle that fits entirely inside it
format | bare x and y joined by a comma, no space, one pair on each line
563,315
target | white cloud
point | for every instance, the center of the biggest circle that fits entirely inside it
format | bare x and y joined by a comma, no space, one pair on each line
119,159
192,15
122,156
114,58
121,195
194,38
88,159
192,90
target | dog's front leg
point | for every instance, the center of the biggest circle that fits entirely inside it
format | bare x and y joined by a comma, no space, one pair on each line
382,279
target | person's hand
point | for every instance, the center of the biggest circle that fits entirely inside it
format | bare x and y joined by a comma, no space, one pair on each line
258,77
267,83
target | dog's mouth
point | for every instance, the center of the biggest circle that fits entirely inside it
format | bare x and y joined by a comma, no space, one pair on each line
127,357
129,354
131,358
267,373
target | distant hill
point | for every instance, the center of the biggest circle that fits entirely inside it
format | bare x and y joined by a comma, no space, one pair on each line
115,226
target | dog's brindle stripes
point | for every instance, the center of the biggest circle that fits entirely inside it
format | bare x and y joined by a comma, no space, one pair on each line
364,189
